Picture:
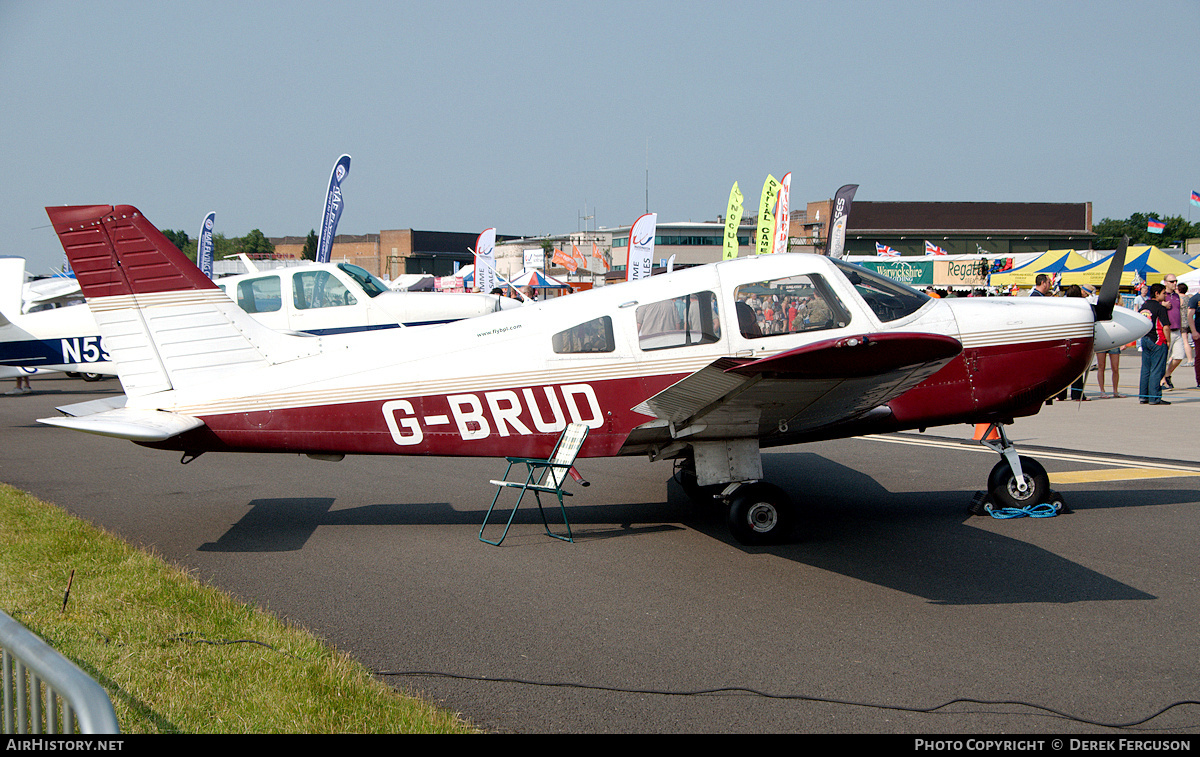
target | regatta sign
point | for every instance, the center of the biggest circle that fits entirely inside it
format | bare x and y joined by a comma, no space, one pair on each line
505,412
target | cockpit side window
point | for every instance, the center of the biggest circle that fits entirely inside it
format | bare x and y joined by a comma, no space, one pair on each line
788,306
593,336
319,289
682,321
888,299
259,295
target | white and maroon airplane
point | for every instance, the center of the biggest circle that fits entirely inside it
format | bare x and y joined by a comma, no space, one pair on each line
706,366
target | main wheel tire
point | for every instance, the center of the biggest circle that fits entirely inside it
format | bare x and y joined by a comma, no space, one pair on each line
93,376
1002,484
761,514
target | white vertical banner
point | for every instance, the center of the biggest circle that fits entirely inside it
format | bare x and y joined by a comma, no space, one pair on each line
782,214
485,261
641,247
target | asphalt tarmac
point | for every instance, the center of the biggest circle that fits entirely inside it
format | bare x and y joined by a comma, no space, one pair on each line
897,613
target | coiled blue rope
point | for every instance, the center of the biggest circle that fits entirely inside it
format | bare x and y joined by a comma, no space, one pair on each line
1044,510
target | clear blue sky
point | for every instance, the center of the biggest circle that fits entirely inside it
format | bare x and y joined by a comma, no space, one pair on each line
527,115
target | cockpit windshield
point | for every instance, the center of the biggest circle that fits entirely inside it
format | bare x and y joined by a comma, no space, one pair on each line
888,299
371,285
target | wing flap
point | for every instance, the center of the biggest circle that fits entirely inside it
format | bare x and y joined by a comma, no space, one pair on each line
802,389
132,424
858,356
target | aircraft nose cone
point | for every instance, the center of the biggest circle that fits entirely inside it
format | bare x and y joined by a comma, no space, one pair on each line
1126,326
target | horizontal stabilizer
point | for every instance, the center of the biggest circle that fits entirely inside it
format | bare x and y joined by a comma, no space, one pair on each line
80,409
126,423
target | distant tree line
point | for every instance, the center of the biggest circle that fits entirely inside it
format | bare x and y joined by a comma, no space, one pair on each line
253,244
1109,231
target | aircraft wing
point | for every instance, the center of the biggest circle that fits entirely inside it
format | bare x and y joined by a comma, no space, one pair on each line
800,390
128,423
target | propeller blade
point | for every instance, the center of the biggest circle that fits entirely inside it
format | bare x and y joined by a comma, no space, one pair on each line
1107,298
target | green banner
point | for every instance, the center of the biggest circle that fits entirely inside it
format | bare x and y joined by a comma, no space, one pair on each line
911,273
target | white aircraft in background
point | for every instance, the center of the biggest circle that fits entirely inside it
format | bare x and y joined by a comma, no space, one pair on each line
678,366
314,298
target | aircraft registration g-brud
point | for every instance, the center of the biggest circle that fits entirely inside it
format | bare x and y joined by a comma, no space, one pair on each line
706,366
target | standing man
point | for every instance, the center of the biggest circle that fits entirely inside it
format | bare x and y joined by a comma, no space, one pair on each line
1041,286
1155,344
1175,316
1193,313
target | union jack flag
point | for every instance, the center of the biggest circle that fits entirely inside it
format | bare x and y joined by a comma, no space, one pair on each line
933,249
885,252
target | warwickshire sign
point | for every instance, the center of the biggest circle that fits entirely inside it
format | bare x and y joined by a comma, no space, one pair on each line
919,272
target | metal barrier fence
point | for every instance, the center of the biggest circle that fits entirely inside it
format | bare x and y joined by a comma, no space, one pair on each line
45,692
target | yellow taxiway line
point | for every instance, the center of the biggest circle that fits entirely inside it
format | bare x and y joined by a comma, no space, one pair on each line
1121,470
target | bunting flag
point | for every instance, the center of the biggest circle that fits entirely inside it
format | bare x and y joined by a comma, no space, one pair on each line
835,244
1155,226
733,219
204,246
1195,197
601,257
933,249
782,216
333,208
641,248
885,252
766,216
563,259
485,261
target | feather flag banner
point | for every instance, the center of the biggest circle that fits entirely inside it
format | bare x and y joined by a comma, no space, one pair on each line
733,219
763,238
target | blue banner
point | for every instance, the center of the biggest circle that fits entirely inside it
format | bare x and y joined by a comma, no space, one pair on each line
333,208
204,247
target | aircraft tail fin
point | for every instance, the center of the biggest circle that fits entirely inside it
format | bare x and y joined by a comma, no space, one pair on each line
165,324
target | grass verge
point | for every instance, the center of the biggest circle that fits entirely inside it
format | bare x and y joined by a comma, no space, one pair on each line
175,655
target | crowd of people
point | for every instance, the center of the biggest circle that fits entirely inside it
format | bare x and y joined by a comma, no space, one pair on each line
1171,342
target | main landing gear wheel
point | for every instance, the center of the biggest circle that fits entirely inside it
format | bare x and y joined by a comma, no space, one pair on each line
1005,492
760,514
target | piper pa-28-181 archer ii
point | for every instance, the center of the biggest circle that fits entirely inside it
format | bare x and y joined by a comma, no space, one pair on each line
706,366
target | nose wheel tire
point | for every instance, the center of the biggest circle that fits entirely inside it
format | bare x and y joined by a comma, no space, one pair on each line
761,514
1005,492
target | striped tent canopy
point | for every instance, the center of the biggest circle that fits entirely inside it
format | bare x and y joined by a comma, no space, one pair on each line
1142,260
538,280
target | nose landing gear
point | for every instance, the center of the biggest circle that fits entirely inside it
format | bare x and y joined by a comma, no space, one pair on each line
1016,481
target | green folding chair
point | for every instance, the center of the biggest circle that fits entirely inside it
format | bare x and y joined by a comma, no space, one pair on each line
542,477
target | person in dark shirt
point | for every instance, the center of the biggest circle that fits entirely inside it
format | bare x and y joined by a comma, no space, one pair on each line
1041,286
1154,347
1194,318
